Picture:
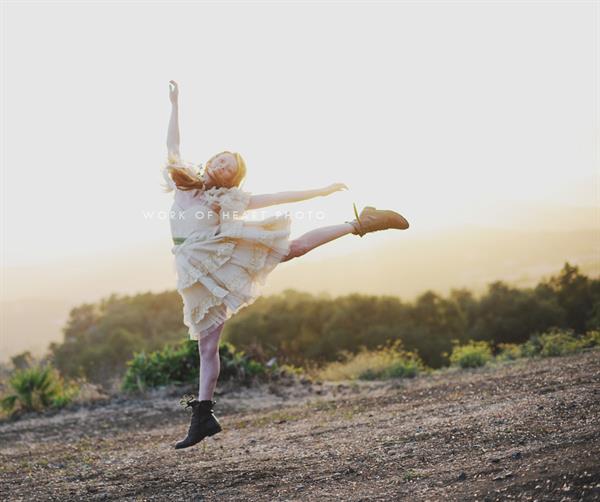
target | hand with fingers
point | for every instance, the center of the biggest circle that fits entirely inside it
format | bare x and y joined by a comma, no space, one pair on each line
173,91
334,187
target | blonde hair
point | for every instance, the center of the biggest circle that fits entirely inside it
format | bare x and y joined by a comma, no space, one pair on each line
185,177
240,174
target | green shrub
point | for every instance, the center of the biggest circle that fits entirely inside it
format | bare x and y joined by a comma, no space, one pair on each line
559,343
385,362
235,364
471,355
532,347
171,365
509,352
403,367
37,388
591,339
180,365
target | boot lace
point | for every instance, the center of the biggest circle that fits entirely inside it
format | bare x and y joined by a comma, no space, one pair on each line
186,401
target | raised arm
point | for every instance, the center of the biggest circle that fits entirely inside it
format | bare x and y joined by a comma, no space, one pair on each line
173,133
272,199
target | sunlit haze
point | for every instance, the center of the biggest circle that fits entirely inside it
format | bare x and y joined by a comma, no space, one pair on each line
475,116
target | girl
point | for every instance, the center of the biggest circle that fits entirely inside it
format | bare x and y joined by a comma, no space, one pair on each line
222,260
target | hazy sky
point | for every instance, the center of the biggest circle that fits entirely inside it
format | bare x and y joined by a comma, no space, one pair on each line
440,111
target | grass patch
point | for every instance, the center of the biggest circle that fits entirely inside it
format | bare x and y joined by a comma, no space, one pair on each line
471,355
383,363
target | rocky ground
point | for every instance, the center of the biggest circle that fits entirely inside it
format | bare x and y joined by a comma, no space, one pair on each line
529,430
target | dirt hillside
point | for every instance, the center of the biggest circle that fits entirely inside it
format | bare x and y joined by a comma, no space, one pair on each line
528,431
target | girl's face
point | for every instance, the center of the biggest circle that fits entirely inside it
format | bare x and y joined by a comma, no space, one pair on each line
222,168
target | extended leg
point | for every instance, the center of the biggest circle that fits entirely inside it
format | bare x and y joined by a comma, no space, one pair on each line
210,365
317,237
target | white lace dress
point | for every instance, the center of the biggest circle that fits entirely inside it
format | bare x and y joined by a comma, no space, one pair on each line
221,260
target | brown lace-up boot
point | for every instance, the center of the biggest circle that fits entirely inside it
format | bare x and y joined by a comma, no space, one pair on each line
372,220
203,423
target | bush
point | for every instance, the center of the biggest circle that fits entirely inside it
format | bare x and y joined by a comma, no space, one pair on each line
591,339
532,347
171,365
37,388
471,355
559,343
180,365
509,352
404,367
235,364
385,362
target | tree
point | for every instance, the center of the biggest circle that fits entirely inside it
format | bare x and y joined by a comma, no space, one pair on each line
574,294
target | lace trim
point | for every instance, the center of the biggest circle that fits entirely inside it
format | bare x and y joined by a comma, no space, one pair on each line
191,269
214,261
197,312
259,256
239,283
206,264
237,287
204,314
232,199
201,268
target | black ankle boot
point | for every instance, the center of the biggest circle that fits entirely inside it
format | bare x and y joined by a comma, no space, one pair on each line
203,424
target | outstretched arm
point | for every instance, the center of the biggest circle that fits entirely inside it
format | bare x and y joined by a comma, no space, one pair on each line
173,133
272,199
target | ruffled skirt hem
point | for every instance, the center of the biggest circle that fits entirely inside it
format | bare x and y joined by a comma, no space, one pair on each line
232,276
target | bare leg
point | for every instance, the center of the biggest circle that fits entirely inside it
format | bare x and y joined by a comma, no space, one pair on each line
210,364
317,237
